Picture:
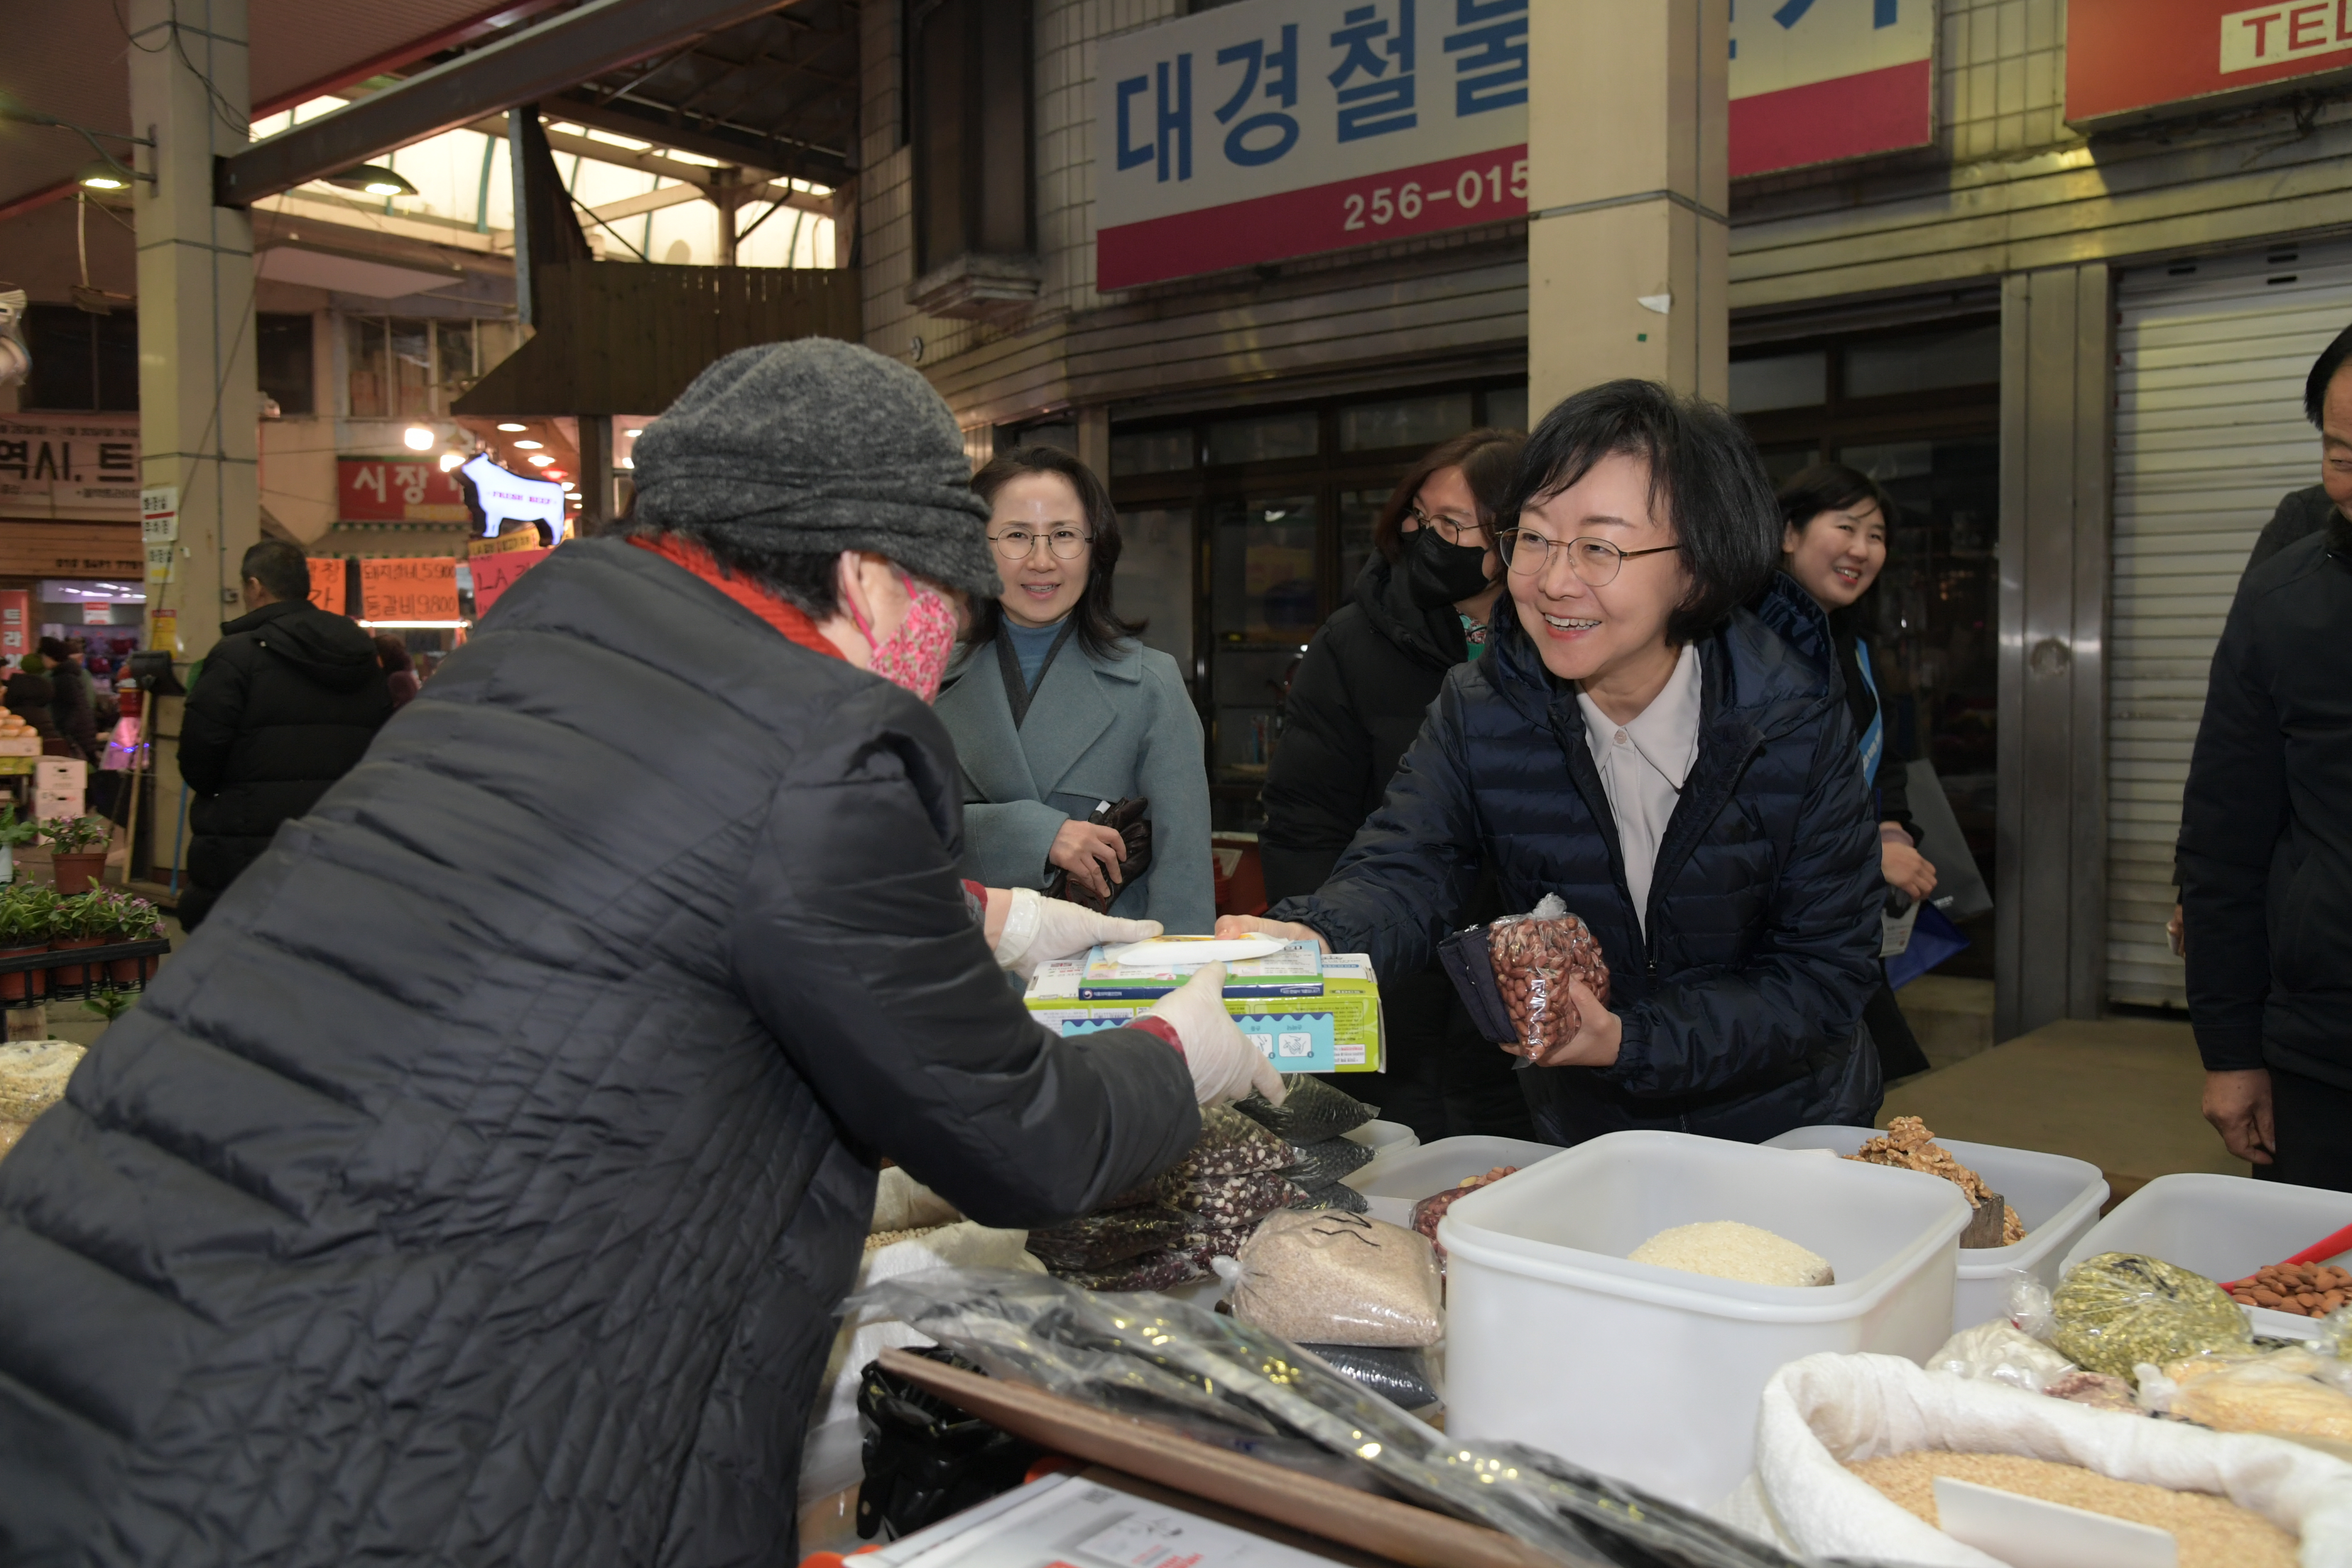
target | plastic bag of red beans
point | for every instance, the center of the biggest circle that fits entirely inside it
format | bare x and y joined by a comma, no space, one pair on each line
1513,976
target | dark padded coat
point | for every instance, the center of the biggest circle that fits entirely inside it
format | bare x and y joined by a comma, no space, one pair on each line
2265,851
481,1183
1742,1009
2300,514
1354,707
285,704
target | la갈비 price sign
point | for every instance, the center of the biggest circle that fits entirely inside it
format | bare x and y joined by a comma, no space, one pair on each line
1279,128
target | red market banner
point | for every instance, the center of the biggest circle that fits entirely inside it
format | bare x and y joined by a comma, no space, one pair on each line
409,588
390,490
2130,56
328,579
494,575
1814,81
16,621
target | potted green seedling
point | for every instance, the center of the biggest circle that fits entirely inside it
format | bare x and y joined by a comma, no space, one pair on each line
76,920
25,914
13,830
108,1001
129,917
77,850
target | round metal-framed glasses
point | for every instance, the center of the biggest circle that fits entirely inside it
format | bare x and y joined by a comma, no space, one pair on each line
1595,561
1020,543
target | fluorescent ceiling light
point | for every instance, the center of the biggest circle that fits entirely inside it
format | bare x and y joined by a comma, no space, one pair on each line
510,424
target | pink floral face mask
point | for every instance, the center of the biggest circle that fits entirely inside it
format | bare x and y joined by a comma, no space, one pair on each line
916,655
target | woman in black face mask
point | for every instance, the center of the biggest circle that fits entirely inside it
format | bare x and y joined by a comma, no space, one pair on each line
1419,609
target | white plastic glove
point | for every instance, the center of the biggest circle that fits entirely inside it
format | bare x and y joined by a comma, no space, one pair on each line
1224,1065
1038,930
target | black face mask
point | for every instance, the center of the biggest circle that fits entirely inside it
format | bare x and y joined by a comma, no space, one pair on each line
1437,573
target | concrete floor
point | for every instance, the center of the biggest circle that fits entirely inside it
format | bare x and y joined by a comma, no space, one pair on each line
2119,1092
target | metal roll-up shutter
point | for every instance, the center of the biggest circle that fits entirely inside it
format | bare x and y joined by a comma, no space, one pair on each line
2210,359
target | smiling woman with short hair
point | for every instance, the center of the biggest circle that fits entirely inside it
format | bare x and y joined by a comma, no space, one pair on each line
1679,769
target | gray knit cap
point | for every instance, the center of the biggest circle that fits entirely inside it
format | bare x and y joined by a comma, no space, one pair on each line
833,447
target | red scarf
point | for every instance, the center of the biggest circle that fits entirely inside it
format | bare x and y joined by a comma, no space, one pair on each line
792,623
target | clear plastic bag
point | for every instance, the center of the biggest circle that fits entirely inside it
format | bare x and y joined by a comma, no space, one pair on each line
1310,1111
1997,1352
2296,1391
1319,1164
1230,1144
1431,1209
2113,1311
1230,1201
1337,1279
1405,1377
1223,1381
1163,1269
1534,956
1335,1195
1094,1242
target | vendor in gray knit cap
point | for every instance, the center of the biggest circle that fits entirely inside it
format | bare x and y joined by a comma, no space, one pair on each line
482,1181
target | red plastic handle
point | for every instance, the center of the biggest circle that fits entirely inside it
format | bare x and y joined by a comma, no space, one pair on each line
2326,1246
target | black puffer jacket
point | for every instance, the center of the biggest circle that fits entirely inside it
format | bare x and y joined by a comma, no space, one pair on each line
284,705
1356,703
1742,1008
480,1184
2266,852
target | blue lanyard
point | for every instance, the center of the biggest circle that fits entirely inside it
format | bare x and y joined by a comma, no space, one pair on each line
1873,740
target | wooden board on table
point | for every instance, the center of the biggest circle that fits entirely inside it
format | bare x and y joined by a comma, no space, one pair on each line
1396,1532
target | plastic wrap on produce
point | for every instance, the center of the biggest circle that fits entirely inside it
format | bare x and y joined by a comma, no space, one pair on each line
1230,1144
1095,1241
1335,1195
1310,1111
1338,1279
1406,1376
2113,1311
1222,1379
1319,1164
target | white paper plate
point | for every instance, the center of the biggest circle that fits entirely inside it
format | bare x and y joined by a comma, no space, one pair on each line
1163,951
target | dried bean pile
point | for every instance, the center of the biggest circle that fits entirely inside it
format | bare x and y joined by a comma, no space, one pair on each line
2306,1289
1534,956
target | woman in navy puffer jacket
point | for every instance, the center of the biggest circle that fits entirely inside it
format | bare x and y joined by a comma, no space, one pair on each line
1680,771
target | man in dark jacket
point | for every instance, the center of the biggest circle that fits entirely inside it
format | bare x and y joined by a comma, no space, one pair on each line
2265,851
284,705
70,704
481,1185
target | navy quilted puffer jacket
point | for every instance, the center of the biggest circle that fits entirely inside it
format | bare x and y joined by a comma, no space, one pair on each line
480,1184
1742,1010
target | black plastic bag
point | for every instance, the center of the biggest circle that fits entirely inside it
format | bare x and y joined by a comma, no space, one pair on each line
1319,1164
1092,1243
1310,1111
926,1460
1401,1375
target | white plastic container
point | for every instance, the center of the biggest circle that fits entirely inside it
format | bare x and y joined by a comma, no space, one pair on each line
2223,1227
1555,1338
2058,1199
1401,1178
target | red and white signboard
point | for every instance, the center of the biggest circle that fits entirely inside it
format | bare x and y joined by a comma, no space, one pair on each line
494,575
1279,128
2128,57
394,489
1271,129
1814,81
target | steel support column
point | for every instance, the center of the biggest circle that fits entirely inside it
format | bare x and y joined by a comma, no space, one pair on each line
2056,390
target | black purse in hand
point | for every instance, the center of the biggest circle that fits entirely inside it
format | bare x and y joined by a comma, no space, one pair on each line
1129,819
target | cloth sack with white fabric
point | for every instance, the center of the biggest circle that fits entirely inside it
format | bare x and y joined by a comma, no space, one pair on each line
1820,1412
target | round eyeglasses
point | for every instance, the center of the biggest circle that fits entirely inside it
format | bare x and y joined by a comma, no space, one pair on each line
1595,561
1019,543
1453,530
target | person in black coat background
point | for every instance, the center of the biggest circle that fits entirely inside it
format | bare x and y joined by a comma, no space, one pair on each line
29,694
284,705
481,1183
1419,609
70,702
2265,858
1834,527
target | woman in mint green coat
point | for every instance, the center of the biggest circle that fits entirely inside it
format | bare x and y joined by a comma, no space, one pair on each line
1056,709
